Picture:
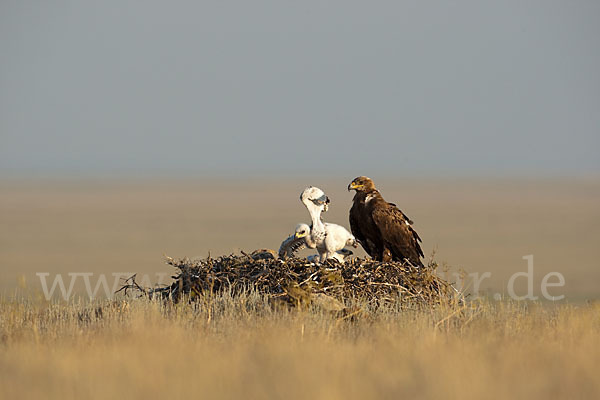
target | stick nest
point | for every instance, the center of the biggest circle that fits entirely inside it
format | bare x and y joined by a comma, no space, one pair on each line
299,282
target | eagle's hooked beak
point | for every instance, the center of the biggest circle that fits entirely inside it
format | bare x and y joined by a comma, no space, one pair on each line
322,203
353,185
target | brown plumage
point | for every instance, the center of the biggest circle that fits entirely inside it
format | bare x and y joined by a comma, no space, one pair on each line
384,231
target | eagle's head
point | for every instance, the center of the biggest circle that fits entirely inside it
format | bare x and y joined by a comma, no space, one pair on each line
362,184
314,197
302,230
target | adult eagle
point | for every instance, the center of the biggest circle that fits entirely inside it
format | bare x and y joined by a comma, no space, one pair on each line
384,231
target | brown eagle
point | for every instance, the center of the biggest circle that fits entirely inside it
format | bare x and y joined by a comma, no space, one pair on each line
384,231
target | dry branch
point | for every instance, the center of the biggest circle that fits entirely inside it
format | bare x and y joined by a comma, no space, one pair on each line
297,281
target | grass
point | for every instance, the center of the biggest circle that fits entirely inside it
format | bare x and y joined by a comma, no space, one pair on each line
241,348
224,347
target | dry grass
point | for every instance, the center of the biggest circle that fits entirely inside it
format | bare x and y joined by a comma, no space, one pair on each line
242,348
226,347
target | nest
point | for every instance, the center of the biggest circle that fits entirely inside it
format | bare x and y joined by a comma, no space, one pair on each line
299,282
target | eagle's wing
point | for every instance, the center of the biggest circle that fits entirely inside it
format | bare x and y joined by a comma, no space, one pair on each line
290,246
410,222
398,233
359,234
355,225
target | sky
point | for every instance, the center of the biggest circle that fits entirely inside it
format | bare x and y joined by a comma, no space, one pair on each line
276,88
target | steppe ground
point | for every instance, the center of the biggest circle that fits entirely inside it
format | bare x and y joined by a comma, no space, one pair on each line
233,348
477,225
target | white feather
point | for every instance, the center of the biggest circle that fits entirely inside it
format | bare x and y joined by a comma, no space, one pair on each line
327,238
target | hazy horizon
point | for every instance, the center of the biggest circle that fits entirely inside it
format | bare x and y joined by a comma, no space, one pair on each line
272,89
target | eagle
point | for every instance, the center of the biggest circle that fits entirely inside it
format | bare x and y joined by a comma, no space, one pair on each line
316,202
329,239
385,232
330,249
335,239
